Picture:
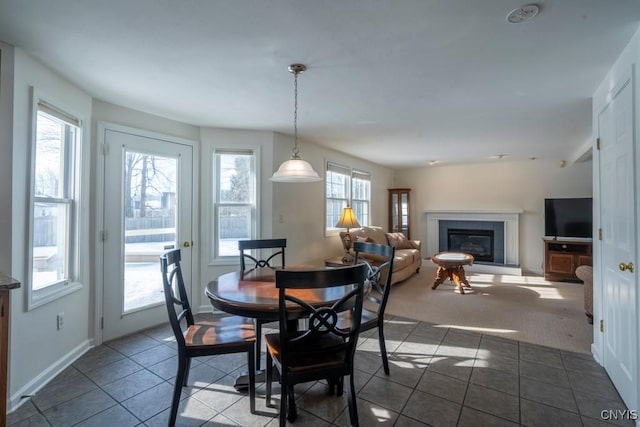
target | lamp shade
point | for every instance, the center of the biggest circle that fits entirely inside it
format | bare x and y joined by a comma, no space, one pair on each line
295,170
348,219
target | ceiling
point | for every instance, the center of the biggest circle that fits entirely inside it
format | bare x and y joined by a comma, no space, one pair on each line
400,83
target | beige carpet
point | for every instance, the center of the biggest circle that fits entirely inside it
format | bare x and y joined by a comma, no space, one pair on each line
525,308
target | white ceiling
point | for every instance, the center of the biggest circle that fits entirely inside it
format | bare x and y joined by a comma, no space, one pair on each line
398,82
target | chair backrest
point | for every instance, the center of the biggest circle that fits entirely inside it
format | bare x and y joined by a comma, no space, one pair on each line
248,245
378,273
322,321
172,279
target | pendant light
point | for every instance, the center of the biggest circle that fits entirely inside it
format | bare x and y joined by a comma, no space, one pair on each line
295,169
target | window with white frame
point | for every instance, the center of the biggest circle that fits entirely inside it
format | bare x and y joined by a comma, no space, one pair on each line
235,216
346,186
54,204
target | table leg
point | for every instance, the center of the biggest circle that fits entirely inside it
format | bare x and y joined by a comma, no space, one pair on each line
441,276
459,278
242,381
455,277
463,278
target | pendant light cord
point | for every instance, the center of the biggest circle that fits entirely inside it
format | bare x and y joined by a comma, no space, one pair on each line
295,115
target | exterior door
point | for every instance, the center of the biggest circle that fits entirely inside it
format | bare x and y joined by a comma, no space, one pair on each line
147,210
618,246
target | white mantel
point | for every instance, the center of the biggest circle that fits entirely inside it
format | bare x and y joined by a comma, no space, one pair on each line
511,230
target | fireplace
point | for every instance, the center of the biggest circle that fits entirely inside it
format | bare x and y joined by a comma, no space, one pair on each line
504,224
478,243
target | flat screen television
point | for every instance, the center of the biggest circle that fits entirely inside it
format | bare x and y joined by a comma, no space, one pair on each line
571,217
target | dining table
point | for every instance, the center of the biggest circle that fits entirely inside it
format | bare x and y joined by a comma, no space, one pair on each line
253,293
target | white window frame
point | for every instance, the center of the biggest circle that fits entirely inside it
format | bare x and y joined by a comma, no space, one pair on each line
217,204
70,200
350,174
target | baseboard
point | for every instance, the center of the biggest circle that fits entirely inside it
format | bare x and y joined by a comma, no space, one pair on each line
494,269
33,386
595,352
207,308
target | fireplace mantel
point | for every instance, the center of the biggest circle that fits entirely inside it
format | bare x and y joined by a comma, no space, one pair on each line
510,218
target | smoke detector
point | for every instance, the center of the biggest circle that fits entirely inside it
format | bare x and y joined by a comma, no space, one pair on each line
523,13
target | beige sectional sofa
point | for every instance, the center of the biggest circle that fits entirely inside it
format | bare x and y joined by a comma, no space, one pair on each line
408,257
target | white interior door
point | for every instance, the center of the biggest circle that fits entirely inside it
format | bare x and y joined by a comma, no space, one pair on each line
618,246
148,199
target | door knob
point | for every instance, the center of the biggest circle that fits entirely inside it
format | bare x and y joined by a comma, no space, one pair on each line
626,267
186,244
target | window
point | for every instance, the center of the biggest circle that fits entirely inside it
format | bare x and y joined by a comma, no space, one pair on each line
346,186
235,200
54,204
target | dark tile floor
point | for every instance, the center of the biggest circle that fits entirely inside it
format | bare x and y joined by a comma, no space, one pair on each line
439,377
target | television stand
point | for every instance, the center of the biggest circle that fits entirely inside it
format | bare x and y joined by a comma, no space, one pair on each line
563,255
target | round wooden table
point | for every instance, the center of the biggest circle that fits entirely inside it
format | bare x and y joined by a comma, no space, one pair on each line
451,266
254,293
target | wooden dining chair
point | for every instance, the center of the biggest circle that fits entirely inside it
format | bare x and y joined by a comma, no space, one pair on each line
250,245
320,349
219,335
379,276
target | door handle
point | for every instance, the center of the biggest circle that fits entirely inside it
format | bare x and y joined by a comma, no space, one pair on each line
626,267
186,244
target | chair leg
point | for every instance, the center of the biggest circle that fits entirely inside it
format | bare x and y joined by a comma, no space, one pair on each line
340,386
252,379
177,388
258,342
383,349
290,397
283,405
351,400
186,372
268,379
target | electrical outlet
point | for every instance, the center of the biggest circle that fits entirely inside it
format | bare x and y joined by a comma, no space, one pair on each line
60,320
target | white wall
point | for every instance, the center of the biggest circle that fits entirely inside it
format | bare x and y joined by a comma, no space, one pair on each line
302,206
504,185
38,350
211,139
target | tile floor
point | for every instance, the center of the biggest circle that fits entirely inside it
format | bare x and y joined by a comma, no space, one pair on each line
439,377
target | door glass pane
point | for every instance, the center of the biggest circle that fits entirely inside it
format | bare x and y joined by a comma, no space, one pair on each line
149,200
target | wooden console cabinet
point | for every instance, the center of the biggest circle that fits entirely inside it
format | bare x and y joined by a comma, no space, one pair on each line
562,257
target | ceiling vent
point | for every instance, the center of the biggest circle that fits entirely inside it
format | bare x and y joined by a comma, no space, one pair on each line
523,13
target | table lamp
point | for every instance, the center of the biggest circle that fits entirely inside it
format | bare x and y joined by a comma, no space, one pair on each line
347,220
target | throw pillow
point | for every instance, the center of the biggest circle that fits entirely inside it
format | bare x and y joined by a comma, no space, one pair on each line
376,234
363,239
399,241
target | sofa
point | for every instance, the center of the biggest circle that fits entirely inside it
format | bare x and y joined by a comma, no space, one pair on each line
585,273
408,258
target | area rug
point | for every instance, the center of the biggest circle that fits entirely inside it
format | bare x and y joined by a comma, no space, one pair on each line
524,308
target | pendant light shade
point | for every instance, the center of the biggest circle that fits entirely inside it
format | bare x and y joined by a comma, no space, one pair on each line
295,169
